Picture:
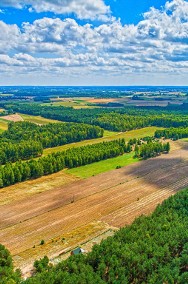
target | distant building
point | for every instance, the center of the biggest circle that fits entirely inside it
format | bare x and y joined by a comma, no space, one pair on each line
77,251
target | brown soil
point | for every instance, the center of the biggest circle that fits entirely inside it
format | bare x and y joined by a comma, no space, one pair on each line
13,117
84,208
101,100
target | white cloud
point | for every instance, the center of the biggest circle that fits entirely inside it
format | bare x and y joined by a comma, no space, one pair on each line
156,45
84,9
9,35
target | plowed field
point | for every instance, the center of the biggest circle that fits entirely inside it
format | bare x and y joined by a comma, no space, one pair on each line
67,215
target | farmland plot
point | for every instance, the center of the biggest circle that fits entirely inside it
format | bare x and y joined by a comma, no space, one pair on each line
70,214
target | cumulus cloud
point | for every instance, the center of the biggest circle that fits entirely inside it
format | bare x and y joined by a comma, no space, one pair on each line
9,35
157,44
83,9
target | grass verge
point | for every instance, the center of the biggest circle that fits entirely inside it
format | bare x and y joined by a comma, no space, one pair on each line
103,166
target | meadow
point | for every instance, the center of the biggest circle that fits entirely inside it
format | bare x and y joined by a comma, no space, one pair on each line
103,166
37,119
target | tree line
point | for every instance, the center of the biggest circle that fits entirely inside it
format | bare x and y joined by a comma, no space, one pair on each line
120,119
12,152
172,133
125,122
153,250
71,158
25,140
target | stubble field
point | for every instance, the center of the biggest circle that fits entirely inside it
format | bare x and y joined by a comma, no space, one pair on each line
68,214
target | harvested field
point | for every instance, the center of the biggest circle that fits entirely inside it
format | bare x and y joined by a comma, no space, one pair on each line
98,100
13,117
84,208
23,190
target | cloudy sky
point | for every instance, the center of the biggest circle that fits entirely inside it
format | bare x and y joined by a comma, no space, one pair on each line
93,42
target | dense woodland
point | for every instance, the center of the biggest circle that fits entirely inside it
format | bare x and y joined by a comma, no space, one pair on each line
121,119
124,122
153,250
25,140
173,133
12,152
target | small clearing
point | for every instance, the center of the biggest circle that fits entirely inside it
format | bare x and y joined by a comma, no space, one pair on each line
37,119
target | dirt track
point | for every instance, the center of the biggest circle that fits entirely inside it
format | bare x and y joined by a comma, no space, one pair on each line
73,211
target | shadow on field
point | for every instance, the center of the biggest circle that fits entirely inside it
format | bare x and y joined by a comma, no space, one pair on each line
164,171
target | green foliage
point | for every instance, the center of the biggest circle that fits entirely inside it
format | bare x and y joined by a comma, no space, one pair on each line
7,274
151,149
25,140
71,158
121,119
42,264
173,133
12,152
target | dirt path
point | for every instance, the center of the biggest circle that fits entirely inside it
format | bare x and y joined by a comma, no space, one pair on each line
66,216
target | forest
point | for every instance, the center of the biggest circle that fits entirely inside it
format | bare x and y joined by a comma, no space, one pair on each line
153,250
172,133
119,119
25,140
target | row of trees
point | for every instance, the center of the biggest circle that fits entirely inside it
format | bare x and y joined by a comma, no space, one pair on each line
25,140
151,149
124,122
21,171
153,250
12,152
173,133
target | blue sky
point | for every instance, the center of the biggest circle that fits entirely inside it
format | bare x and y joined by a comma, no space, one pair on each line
130,12
87,42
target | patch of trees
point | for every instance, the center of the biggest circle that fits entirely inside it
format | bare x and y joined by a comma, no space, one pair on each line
124,122
152,250
71,158
52,134
172,133
151,149
25,140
